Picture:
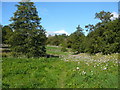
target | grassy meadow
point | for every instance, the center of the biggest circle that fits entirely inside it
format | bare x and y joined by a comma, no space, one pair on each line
61,70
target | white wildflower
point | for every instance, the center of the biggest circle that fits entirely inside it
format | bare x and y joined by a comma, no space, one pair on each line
104,68
73,70
83,72
91,71
97,64
106,64
77,68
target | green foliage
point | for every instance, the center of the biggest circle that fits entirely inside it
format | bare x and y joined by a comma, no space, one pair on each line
1,33
111,37
56,40
63,49
53,40
75,40
103,37
6,34
29,36
104,16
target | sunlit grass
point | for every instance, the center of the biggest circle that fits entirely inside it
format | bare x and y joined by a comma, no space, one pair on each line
67,71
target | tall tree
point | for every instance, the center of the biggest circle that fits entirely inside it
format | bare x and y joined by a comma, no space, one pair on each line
111,37
75,40
105,35
29,36
104,16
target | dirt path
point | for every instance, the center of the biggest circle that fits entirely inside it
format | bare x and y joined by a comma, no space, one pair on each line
62,78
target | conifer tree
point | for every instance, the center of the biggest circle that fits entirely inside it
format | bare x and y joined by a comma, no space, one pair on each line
29,36
76,39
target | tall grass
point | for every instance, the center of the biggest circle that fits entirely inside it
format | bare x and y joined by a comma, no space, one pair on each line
66,71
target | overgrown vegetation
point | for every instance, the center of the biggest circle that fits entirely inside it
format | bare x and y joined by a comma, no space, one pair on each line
65,71
32,60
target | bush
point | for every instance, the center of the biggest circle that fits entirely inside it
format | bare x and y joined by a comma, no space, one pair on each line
4,55
64,49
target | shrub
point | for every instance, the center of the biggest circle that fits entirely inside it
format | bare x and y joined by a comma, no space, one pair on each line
63,49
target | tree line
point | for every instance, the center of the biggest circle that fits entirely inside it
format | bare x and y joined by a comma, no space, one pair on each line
26,36
103,37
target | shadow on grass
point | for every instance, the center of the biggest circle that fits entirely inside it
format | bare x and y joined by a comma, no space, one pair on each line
6,50
49,56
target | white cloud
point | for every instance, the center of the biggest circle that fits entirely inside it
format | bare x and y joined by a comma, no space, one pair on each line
61,32
115,15
47,34
56,32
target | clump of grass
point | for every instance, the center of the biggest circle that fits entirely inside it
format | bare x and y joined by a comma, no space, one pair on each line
64,49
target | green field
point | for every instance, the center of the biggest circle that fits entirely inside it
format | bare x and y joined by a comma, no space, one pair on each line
61,70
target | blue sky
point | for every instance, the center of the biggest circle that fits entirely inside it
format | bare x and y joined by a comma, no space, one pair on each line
63,16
